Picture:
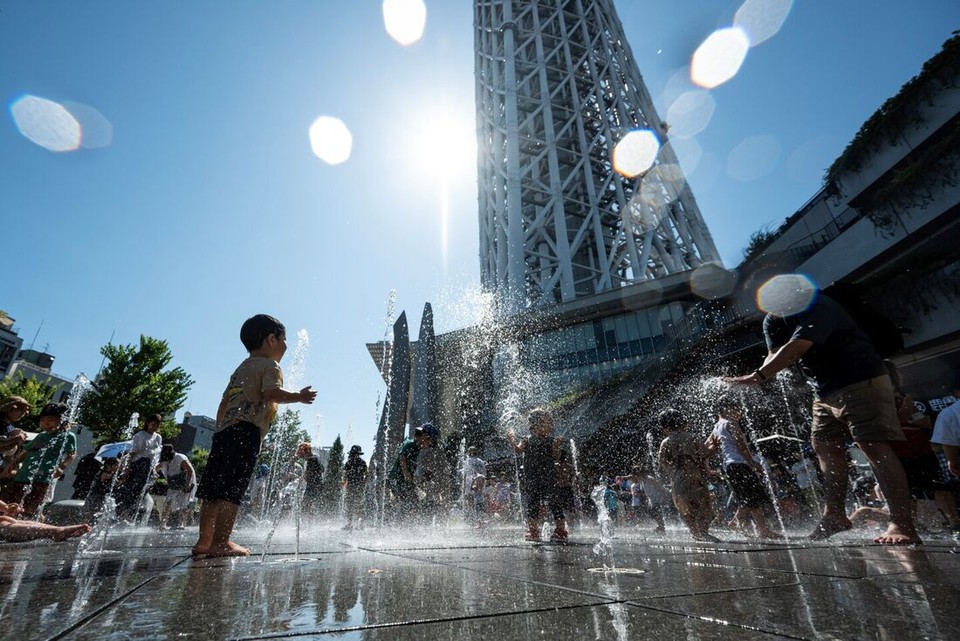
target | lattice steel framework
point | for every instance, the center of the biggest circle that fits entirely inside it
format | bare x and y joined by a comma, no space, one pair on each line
557,88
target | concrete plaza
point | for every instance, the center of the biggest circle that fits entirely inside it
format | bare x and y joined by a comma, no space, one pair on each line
455,583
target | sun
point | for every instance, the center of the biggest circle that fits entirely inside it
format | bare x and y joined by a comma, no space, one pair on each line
443,147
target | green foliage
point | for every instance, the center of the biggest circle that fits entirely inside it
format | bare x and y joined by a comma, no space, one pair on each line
36,392
198,458
900,111
283,438
757,243
135,379
333,474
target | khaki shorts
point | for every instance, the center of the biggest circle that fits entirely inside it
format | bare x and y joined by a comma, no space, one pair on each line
865,410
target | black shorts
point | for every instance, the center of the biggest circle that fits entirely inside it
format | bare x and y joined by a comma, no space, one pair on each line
230,466
923,475
747,486
536,494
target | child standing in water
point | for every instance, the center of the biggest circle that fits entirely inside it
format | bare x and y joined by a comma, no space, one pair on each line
742,469
541,452
12,438
683,459
246,411
48,456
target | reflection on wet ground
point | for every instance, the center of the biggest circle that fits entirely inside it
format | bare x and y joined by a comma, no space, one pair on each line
445,583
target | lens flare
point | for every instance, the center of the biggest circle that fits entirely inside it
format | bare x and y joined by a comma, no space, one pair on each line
719,58
753,158
46,123
330,140
662,185
96,132
641,216
690,113
688,152
786,294
404,20
712,281
635,153
762,19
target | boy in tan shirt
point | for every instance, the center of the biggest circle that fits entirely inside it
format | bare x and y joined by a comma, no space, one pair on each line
243,419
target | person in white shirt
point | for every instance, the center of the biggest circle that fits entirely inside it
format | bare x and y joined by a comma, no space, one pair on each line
181,478
141,459
946,432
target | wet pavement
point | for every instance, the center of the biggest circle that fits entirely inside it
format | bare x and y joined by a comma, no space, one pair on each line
455,583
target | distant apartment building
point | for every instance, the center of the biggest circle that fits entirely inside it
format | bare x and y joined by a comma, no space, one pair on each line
30,363
10,343
196,430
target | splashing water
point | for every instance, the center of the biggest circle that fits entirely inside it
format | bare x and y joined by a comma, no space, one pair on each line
605,544
296,372
81,387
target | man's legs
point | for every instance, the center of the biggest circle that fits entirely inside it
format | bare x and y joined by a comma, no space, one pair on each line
833,463
893,482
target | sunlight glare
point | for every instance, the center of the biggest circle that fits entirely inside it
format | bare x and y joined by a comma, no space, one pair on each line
443,147
786,294
690,113
719,58
753,158
96,132
709,283
635,153
642,216
46,123
330,140
762,19
404,20
662,185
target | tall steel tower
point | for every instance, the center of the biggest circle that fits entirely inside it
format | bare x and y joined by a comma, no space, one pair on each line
557,88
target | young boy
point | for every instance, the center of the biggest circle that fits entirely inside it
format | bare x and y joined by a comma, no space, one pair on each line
246,411
12,529
12,438
683,459
742,470
540,455
645,486
48,456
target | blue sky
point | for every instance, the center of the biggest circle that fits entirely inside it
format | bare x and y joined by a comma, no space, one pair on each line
209,205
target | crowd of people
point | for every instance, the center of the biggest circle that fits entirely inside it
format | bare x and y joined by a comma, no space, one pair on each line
858,402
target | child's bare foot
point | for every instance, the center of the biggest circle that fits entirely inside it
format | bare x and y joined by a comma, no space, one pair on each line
198,550
230,549
70,531
896,535
830,526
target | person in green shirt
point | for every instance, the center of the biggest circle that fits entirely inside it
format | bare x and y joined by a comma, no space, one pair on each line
404,467
48,456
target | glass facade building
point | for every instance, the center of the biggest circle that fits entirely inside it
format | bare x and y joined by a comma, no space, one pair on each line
591,351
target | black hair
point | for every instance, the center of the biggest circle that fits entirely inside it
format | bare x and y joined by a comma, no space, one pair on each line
725,402
671,419
166,452
256,329
153,418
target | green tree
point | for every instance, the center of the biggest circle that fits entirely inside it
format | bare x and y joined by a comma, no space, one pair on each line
283,438
35,391
198,458
135,379
333,475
